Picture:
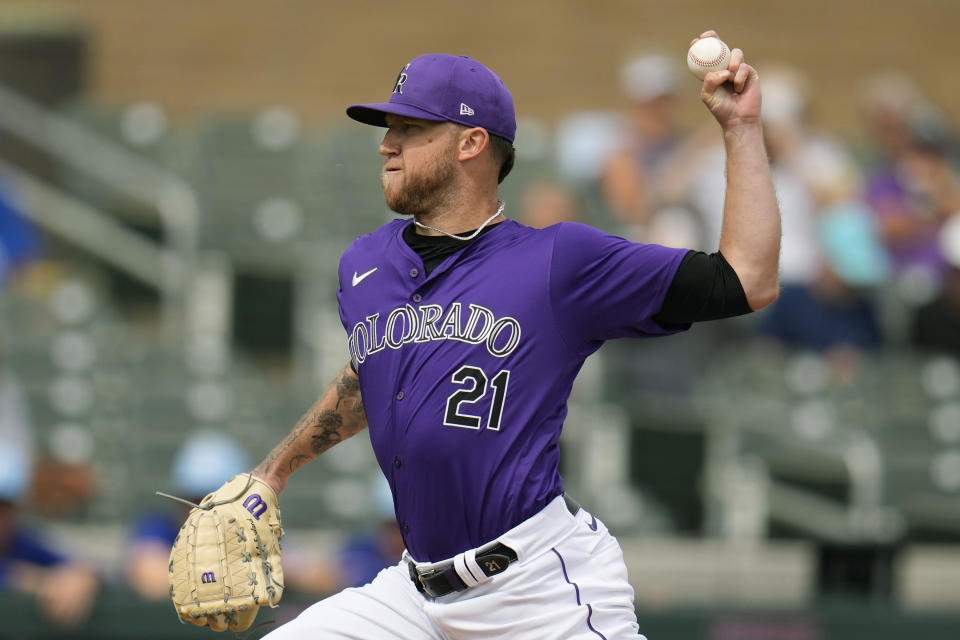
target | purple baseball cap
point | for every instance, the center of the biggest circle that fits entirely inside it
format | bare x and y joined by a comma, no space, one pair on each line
446,88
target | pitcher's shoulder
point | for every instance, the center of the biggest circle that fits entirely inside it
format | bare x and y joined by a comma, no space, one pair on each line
377,241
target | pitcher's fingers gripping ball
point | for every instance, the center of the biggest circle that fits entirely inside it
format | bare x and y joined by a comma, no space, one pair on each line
707,54
225,562
729,84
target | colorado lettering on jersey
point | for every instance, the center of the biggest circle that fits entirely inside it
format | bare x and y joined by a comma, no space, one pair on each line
430,322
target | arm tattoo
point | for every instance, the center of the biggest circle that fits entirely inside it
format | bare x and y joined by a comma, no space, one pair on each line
321,427
298,461
329,424
282,448
349,407
348,392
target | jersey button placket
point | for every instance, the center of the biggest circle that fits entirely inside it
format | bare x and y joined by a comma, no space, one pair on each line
417,297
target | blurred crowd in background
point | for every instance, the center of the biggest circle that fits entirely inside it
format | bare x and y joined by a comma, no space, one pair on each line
870,267
856,221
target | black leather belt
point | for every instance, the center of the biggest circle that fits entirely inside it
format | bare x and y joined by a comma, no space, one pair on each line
443,580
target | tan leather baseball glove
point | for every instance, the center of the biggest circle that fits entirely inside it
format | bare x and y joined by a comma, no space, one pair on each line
225,562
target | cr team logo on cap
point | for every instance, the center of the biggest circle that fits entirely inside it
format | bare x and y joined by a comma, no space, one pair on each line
445,88
401,78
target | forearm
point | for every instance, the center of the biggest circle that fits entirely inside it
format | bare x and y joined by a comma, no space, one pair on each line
750,235
336,416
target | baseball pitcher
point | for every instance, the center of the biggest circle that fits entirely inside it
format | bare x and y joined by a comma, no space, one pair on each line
466,330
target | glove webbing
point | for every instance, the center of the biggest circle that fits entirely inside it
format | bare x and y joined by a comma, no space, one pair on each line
206,506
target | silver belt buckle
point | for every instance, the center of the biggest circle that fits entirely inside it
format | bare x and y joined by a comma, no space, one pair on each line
426,575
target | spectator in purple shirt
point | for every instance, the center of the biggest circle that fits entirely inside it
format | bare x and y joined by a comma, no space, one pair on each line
911,186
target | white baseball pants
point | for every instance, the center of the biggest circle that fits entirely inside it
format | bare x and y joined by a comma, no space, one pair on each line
569,583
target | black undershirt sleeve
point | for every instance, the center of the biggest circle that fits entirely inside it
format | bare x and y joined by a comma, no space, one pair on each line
705,287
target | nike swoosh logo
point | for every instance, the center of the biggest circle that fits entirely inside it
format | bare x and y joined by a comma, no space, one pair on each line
357,279
593,522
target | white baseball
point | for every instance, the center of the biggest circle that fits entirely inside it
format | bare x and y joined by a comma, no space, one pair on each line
706,55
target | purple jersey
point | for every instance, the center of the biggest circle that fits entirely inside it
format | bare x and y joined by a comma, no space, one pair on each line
465,374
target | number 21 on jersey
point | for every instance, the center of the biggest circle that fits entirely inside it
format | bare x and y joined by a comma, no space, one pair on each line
474,386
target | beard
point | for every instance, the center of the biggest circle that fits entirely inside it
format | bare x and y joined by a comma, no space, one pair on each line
419,192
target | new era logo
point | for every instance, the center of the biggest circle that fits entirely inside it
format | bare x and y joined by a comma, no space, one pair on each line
465,110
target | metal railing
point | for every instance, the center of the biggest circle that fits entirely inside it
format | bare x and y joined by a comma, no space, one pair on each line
165,266
93,231
126,172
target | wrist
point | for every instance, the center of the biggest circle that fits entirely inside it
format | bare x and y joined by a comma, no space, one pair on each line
276,481
742,128
744,137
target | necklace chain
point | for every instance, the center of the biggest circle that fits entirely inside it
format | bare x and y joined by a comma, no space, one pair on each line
472,235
